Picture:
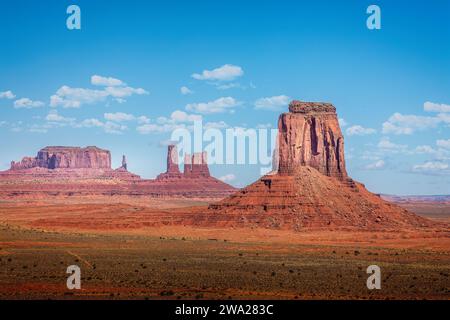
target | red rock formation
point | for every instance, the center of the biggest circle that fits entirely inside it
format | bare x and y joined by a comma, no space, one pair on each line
199,165
311,188
172,164
36,177
187,165
124,162
66,157
309,135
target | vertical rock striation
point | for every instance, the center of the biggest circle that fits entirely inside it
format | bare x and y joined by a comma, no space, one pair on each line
310,188
309,135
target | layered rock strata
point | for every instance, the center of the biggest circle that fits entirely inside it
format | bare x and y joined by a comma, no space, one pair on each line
310,189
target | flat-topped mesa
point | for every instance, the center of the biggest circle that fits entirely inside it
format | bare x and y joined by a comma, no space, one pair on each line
297,106
66,158
309,135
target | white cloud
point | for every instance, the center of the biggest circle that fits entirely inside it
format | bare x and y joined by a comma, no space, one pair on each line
216,125
181,116
342,122
185,90
228,177
27,103
425,149
443,144
178,119
53,116
275,103
91,123
229,86
108,127
97,80
407,124
226,72
386,144
143,119
157,128
68,97
7,95
436,107
122,117
220,105
359,131
444,117
121,92
432,167
116,89
119,116
376,165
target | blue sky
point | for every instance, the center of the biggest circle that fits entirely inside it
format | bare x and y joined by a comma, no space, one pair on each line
390,86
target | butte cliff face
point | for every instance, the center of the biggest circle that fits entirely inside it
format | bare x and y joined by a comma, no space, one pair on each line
311,188
309,135
67,158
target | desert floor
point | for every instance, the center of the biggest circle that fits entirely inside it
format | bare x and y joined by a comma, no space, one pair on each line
123,256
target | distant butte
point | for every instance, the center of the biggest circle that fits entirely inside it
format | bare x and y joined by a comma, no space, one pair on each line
88,171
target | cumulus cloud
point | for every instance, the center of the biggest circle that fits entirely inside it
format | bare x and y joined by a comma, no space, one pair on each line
436,107
425,149
227,72
7,95
115,89
68,97
386,144
143,119
359,131
229,86
181,116
432,167
27,103
53,116
108,126
149,128
376,165
122,92
408,124
220,105
216,125
275,103
119,116
443,144
228,177
97,80
185,90
342,122
178,119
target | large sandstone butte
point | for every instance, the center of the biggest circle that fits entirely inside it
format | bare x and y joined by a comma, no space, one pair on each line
74,171
310,188
309,135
